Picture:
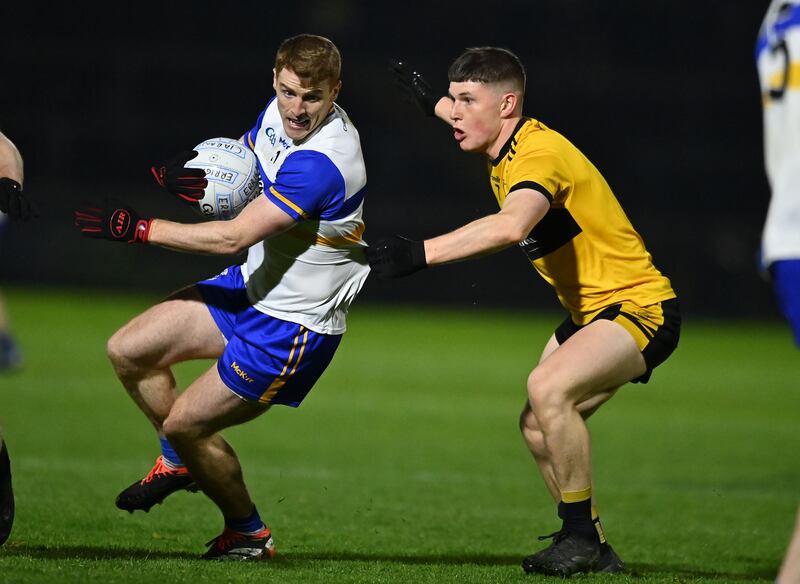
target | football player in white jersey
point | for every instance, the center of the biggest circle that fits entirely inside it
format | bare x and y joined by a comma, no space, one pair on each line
778,61
274,322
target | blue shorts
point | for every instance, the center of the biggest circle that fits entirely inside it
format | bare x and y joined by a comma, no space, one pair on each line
266,359
786,281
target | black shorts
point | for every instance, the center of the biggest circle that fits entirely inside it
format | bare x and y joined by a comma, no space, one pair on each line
655,328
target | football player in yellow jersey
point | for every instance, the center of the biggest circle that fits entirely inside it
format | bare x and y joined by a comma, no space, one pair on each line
623,316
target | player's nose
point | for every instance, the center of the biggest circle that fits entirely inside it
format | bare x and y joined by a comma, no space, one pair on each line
455,114
296,107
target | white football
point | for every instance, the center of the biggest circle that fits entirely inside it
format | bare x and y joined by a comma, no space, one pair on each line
233,178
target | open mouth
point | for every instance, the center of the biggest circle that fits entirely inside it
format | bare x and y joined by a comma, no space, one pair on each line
458,134
299,123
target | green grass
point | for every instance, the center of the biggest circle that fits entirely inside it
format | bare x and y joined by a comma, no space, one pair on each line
405,464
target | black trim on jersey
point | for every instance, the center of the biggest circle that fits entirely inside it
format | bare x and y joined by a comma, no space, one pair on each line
556,229
529,184
507,145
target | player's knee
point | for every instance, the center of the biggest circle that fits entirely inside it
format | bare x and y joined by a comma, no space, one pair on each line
118,351
178,431
546,397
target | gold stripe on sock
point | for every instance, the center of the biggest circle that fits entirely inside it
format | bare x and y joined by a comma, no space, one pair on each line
576,496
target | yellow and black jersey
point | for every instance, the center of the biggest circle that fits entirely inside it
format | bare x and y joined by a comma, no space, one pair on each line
585,246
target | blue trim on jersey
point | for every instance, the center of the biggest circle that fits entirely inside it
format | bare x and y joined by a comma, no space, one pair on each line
348,206
283,206
311,181
791,20
761,44
253,133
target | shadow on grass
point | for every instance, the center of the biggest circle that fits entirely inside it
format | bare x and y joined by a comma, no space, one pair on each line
286,559
292,559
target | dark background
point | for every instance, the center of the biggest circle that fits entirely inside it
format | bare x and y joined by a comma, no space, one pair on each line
662,96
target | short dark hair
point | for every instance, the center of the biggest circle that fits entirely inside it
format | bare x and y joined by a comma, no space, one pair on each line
488,65
310,56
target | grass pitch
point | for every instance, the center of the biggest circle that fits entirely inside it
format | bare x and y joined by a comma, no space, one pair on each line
404,464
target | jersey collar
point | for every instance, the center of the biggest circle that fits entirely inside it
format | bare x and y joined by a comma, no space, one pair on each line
509,142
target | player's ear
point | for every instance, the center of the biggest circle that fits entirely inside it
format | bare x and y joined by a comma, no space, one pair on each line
508,104
275,80
336,89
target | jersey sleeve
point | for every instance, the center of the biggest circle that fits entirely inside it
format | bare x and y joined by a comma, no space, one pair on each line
541,170
250,135
306,184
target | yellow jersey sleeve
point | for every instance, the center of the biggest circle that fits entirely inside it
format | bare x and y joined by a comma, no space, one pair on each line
542,171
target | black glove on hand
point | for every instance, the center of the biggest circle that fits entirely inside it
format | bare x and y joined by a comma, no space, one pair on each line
415,87
395,256
13,202
112,220
186,183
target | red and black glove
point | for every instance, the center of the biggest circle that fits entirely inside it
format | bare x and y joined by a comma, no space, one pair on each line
187,183
112,220
13,202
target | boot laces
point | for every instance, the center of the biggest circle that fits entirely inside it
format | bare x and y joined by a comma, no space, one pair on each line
556,536
159,469
226,539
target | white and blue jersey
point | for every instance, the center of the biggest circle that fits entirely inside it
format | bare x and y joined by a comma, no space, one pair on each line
311,273
778,61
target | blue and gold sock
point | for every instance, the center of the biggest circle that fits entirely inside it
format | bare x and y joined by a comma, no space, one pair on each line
171,458
248,525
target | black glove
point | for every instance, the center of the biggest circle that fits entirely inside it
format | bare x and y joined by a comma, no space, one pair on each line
12,201
415,87
112,220
186,183
395,256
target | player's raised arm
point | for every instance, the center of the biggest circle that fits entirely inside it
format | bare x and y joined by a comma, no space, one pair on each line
417,90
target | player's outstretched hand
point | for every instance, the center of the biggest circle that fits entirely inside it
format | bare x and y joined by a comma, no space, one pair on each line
13,202
112,220
416,89
395,256
186,183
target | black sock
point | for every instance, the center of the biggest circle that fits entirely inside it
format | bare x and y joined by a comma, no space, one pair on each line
577,518
5,463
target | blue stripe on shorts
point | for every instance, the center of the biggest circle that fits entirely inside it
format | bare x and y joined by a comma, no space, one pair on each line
266,359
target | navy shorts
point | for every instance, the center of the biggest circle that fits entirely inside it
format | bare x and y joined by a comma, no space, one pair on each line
266,360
